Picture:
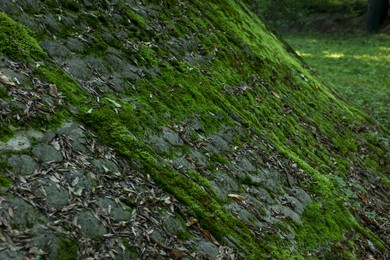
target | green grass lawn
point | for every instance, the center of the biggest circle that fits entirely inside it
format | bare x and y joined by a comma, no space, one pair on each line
358,66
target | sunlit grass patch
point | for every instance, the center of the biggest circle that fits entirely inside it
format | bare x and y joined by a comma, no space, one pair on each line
357,65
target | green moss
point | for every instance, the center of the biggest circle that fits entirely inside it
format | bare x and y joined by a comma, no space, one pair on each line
17,41
67,249
4,181
147,56
5,133
290,110
135,18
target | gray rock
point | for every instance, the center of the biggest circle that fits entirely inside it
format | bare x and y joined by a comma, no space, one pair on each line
294,204
105,166
110,207
89,225
223,184
122,66
45,239
22,164
51,23
245,164
301,195
55,196
48,137
207,247
156,235
242,213
11,255
219,143
81,181
182,163
78,68
98,64
270,180
76,135
199,158
263,195
74,44
172,137
287,212
158,143
10,7
117,81
173,225
198,126
47,153
19,142
55,49
27,215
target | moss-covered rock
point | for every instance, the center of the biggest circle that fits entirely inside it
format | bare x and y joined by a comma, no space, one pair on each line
205,102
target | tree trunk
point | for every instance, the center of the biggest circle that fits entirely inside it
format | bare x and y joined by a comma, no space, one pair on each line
376,14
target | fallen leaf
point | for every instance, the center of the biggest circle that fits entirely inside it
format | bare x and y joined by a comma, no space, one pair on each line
54,179
192,221
114,102
167,200
6,80
175,254
275,94
237,197
207,234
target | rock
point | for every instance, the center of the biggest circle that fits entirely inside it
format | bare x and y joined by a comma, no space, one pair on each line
182,163
242,213
207,247
262,195
78,68
76,135
245,164
287,212
158,143
44,238
22,164
54,195
19,142
74,44
81,181
26,215
219,143
172,137
12,255
173,225
105,166
199,158
110,207
223,184
48,137
47,153
301,195
55,48
294,204
89,225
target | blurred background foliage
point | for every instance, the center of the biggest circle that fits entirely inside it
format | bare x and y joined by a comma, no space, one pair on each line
279,14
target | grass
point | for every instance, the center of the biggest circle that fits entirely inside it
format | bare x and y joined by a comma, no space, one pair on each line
356,65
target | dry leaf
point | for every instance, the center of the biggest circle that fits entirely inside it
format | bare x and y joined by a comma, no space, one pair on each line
275,94
207,234
175,254
237,197
54,179
6,80
167,200
192,221
11,212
